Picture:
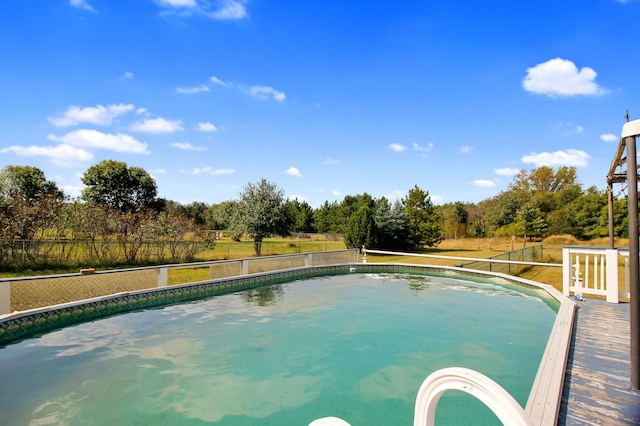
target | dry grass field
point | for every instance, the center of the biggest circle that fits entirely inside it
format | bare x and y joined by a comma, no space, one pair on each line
227,249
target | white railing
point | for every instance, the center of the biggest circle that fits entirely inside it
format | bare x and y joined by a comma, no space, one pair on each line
595,271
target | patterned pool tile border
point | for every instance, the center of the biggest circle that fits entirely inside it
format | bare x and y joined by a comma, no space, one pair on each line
21,325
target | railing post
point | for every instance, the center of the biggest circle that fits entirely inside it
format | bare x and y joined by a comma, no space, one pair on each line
612,276
245,267
5,297
163,275
566,270
308,260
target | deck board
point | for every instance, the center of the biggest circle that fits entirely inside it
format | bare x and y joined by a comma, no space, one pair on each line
597,383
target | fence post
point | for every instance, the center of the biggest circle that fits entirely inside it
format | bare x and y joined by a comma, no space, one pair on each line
245,267
163,274
566,270
5,297
308,260
612,276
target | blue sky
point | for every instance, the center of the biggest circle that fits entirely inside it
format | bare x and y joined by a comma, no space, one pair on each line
323,98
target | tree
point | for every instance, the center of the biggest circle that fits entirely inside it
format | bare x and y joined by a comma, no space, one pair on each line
27,183
30,205
544,179
462,218
325,218
391,225
531,221
220,216
302,216
362,229
502,209
261,213
424,224
112,183
590,214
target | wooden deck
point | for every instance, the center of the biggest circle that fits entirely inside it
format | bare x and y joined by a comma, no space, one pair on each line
597,384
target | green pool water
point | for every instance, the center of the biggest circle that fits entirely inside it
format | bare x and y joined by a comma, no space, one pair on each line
354,346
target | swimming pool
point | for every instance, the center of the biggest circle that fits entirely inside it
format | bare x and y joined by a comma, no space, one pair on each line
355,346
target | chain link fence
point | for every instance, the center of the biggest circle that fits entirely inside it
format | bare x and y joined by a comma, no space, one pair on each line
20,294
526,254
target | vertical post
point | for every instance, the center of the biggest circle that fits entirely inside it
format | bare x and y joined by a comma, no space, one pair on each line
612,276
634,263
610,206
5,297
566,271
163,275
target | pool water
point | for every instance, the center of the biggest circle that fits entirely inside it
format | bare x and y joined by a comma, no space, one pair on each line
354,346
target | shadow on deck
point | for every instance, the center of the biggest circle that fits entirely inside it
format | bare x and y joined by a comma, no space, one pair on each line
597,381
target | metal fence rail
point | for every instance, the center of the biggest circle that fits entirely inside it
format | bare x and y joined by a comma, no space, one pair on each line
19,294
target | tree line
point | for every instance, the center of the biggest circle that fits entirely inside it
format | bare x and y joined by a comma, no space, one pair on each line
119,205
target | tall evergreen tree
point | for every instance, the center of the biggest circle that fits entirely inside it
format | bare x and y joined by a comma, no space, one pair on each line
423,219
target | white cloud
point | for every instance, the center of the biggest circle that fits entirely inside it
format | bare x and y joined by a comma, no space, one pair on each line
465,149
226,9
86,138
264,92
579,129
99,115
570,157
127,75
186,146
189,4
158,172
436,199
216,80
71,190
293,172
483,183
62,155
330,161
561,77
211,171
81,4
336,193
608,137
417,147
157,125
506,171
395,195
192,90
397,147
297,197
207,127
230,10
